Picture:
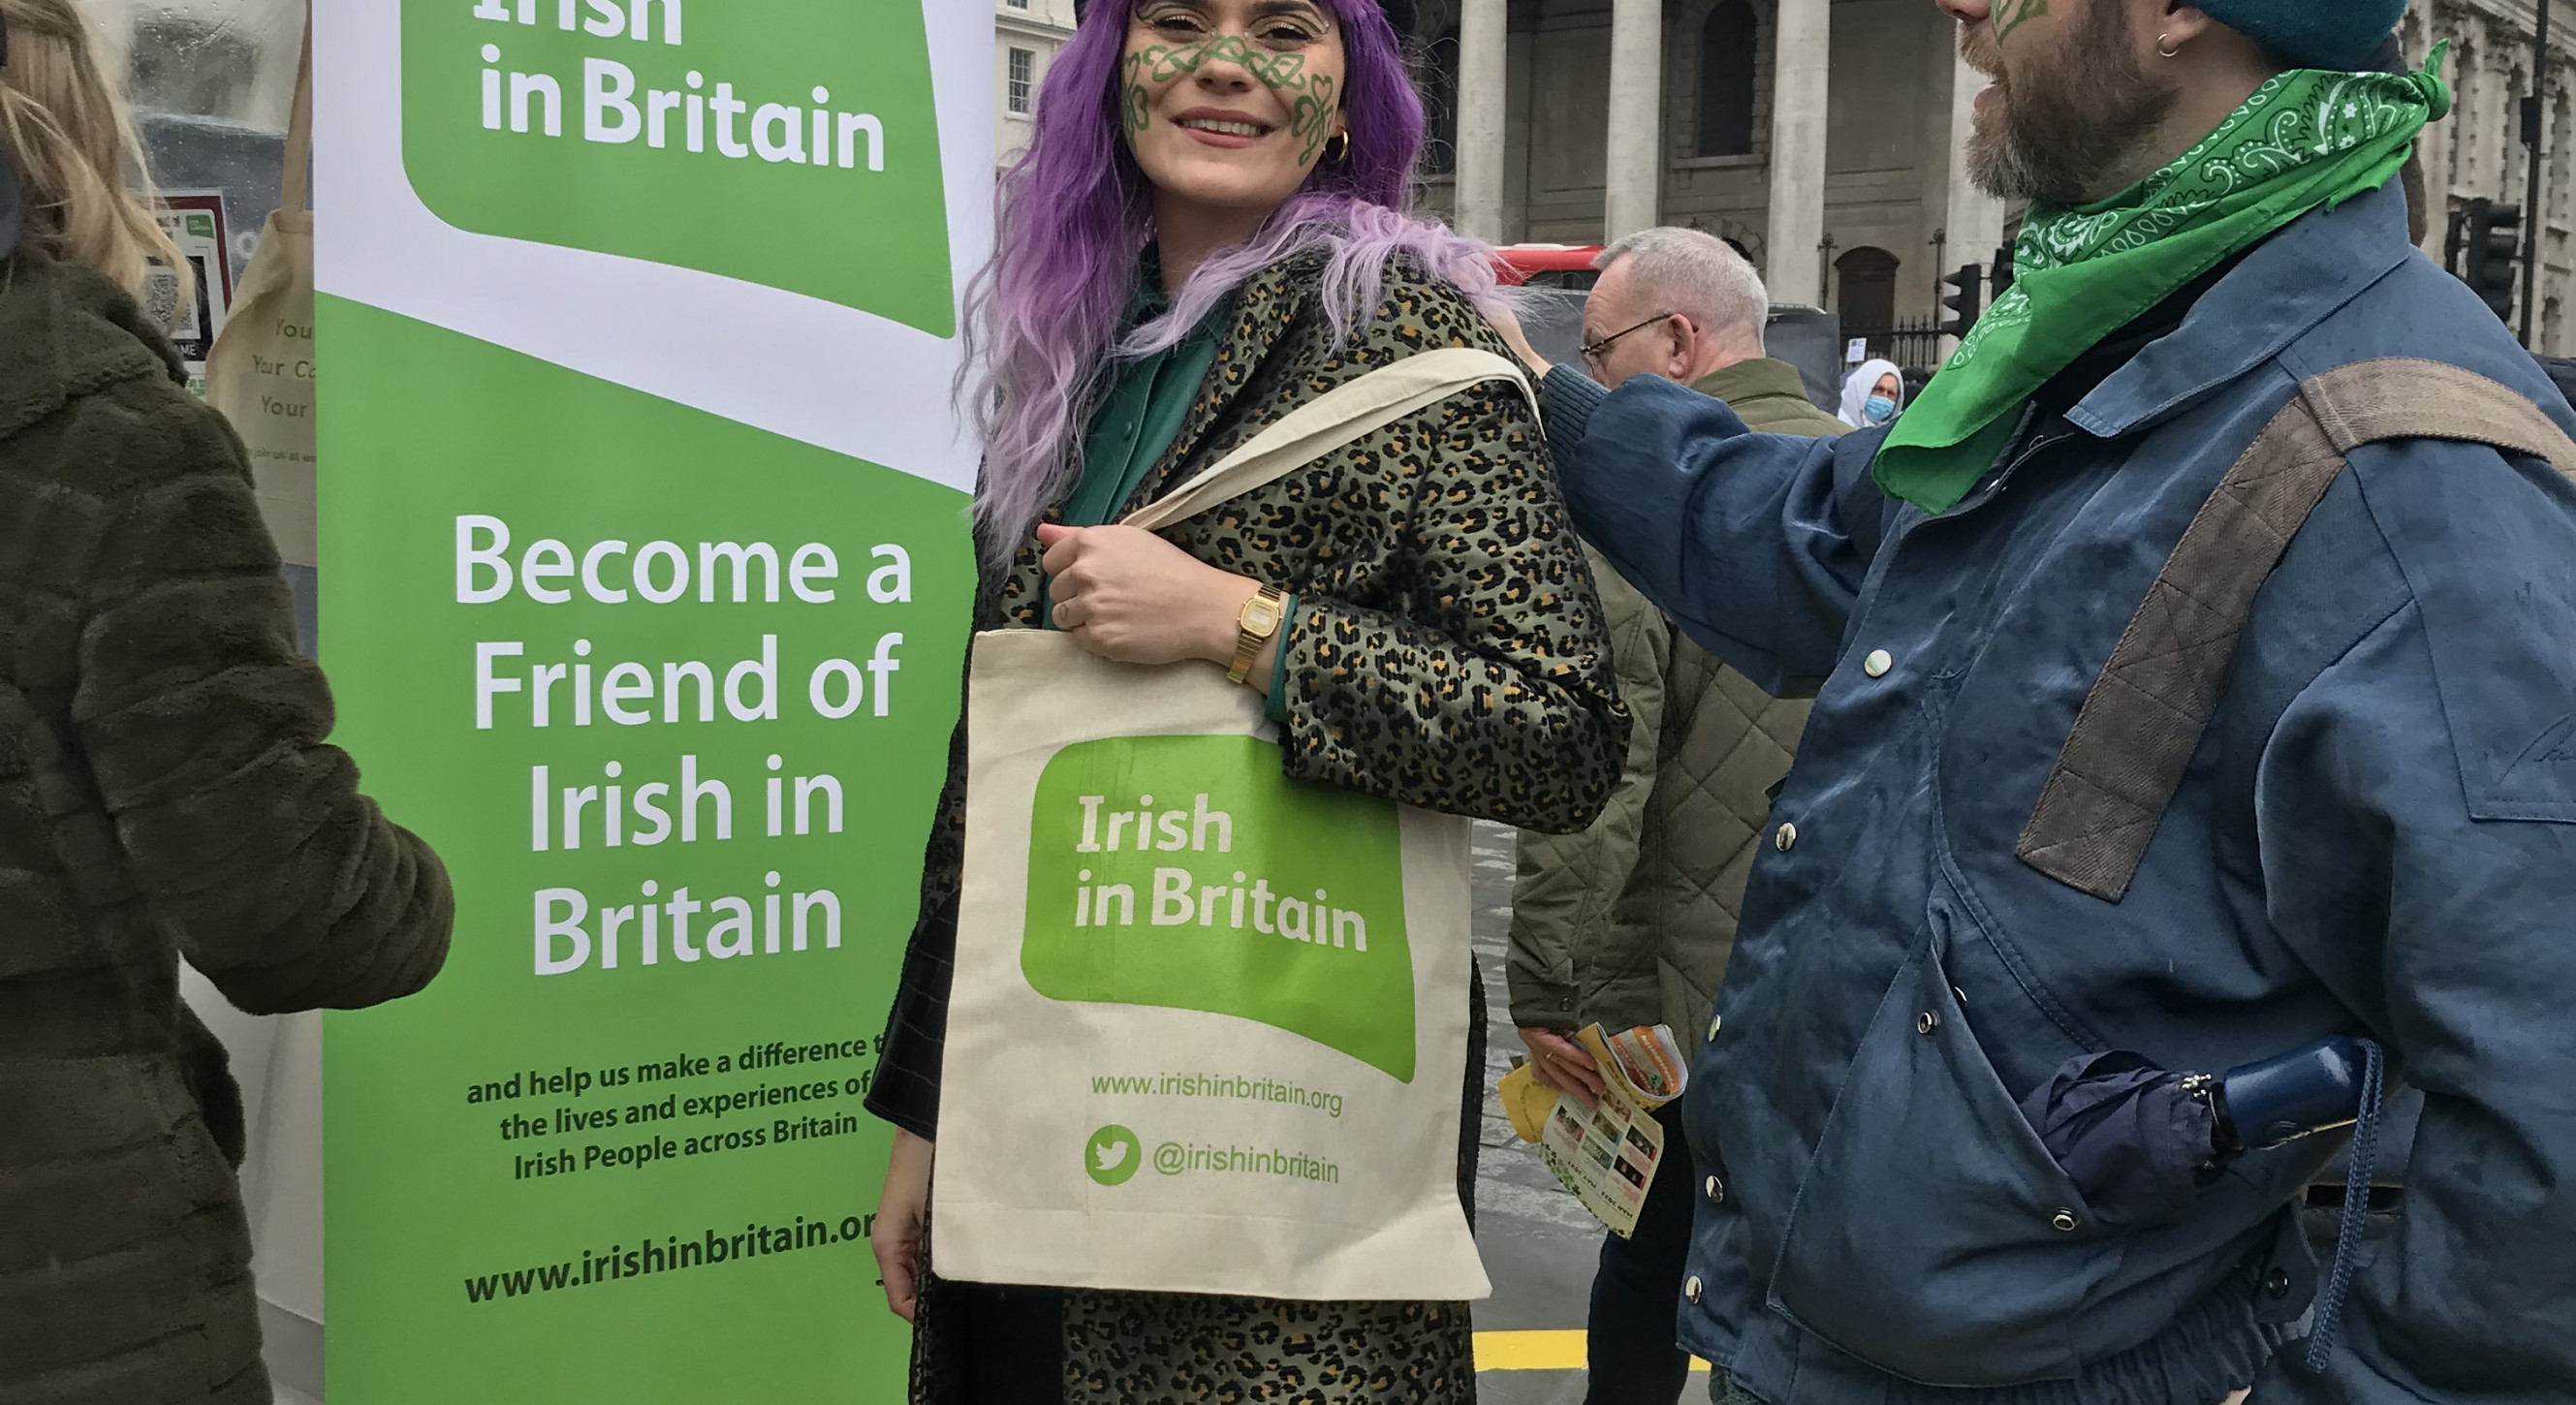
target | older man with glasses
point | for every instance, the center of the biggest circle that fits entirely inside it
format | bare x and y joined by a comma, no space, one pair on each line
1630,923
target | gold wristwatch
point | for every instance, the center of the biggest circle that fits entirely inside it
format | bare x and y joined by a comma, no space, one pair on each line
1257,626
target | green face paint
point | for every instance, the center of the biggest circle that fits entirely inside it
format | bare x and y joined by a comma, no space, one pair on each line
1312,119
1310,96
2010,15
1133,111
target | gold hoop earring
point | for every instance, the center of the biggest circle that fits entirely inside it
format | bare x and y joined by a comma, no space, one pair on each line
2167,48
1338,150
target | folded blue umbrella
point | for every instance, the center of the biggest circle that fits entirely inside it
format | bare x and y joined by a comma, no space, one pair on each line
2140,1141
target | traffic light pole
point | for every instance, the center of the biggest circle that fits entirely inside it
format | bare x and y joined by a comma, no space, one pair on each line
2533,112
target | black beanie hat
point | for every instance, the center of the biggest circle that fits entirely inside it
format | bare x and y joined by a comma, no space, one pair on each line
1399,15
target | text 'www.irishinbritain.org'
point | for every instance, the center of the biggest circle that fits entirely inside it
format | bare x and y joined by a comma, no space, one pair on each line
669,1254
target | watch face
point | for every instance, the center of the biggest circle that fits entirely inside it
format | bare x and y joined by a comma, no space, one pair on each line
1261,615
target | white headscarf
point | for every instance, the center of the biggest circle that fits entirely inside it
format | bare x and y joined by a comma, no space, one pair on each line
1862,384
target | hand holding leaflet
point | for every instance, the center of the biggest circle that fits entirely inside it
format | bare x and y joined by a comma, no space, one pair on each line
1606,1154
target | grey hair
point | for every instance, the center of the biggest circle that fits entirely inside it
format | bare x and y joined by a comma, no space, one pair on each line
1697,275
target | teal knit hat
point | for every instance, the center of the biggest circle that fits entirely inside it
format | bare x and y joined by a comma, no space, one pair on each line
2335,34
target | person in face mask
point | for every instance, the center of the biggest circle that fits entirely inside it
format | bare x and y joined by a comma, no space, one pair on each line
1873,394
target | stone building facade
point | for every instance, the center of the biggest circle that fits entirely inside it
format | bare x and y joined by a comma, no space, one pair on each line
2478,151
1823,137
1027,35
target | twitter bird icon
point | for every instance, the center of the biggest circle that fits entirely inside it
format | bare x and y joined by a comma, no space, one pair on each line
1112,1155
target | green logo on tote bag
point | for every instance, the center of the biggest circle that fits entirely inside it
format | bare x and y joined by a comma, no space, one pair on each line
794,146
1187,873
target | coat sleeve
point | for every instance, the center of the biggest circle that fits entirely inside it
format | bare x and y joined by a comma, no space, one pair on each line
904,1089
2416,810
1486,691
204,731
1563,936
1756,544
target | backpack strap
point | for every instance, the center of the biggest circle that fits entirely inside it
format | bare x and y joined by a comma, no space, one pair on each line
2144,718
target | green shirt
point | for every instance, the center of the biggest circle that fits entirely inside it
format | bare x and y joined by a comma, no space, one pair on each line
1140,416
1135,426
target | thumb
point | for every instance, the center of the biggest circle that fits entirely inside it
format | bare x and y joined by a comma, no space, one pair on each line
1050,533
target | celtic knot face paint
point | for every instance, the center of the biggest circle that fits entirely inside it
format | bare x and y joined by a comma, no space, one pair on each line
1230,101
2010,15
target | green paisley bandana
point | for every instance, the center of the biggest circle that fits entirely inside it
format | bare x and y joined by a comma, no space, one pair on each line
2304,140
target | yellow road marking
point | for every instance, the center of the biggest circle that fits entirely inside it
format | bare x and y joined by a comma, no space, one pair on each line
1537,1351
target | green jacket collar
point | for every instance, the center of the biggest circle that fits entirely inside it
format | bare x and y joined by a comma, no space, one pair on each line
1747,379
1759,379
66,332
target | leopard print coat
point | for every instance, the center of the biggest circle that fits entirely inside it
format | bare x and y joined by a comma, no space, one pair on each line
1448,651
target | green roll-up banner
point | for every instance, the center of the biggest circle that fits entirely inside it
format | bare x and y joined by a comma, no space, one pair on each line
644,592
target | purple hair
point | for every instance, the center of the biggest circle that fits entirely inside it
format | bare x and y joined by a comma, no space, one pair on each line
1075,216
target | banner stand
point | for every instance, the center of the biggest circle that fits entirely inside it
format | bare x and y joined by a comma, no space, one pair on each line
643,513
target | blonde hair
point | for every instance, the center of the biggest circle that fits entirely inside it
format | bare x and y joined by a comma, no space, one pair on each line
65,129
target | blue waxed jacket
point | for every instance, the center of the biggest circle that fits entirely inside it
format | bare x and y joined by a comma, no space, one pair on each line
2377,835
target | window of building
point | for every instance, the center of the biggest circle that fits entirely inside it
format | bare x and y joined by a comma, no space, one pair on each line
1727,51
1022,83
1440,106
1015,4
180,63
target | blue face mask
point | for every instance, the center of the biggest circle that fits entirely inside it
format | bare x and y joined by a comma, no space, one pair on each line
1879,410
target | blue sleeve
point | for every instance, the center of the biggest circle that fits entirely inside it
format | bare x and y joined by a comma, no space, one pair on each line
2416,810
1755,544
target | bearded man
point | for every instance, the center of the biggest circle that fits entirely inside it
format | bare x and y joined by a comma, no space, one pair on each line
2194,762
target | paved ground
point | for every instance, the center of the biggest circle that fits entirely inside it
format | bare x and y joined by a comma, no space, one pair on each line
1539,1244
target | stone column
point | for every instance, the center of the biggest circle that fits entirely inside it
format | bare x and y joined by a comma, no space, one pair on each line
1634,175
1483,53
1802,44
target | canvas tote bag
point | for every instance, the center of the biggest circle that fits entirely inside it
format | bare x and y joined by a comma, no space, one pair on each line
260,370
1207,1023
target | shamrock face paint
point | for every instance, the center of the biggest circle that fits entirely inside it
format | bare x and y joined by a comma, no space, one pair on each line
1229,104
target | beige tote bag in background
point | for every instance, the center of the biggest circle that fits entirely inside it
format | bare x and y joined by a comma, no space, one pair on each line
260,371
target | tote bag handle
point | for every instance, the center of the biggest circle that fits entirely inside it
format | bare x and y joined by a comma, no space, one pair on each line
1336,419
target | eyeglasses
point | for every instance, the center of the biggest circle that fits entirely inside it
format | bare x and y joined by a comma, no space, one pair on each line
1593,352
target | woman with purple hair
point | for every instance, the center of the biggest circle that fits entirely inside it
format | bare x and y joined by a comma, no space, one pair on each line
1206,233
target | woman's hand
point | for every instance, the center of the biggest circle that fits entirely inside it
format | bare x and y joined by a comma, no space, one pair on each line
1125,594
1559,1063
903,1218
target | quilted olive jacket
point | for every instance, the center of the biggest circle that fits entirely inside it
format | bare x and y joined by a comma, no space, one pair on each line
1631,922
165,792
